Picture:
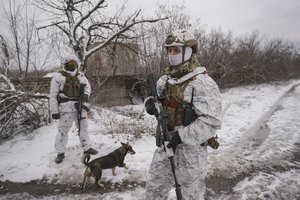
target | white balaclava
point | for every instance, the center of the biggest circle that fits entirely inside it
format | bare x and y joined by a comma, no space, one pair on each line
175,60
73,73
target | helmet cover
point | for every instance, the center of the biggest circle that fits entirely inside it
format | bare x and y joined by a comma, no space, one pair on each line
182,38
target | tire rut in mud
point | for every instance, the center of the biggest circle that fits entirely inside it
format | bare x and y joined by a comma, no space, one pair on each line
218,184
40,189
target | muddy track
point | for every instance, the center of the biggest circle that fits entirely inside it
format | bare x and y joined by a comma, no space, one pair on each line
219,184
40,189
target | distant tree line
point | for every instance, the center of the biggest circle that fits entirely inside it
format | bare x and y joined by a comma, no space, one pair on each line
250,59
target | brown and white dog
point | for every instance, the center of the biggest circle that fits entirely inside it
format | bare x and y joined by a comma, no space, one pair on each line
109,161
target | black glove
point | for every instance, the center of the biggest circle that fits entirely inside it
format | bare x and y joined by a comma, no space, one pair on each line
55,116
175,140
85,98
150,106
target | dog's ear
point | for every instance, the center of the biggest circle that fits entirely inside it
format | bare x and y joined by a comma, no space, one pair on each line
125,144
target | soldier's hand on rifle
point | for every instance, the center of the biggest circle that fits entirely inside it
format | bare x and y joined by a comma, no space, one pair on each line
150,106
55,116
85,98
175,140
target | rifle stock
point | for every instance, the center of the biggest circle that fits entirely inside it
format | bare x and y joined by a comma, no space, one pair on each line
163,122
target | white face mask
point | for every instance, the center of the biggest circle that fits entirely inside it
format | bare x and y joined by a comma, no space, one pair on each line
175,60
73,73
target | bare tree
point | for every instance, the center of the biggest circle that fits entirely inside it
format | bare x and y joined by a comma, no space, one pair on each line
87,26
22,46
278,58
4,56
13,15
215,52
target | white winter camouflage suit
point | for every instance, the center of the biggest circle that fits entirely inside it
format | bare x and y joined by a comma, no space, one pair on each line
190,157
68,113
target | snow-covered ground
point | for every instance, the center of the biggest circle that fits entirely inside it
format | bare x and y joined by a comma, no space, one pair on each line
259,135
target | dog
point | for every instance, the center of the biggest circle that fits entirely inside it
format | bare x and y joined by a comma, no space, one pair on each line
109,161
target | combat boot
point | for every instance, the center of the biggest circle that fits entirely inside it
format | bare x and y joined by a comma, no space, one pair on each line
59,158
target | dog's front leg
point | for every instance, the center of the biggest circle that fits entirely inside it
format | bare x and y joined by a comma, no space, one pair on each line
125,166
114,171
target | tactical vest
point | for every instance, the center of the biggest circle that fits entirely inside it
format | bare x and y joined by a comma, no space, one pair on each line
174,104
71,87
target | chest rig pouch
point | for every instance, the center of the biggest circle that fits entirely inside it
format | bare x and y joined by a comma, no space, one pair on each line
71,87
179,111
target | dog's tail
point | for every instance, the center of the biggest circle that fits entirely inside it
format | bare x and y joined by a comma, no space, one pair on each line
85,159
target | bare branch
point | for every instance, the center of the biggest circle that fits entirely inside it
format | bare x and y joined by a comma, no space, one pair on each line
97,6
124,29
85,26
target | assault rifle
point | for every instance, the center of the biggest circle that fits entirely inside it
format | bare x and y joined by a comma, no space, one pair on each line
79,106
162,119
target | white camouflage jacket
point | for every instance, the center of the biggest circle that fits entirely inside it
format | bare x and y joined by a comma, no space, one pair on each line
207,103
57,85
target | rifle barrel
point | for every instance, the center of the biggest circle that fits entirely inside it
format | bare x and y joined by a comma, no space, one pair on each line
163,121
79,105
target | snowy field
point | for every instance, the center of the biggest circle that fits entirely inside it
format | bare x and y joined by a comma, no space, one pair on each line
258,156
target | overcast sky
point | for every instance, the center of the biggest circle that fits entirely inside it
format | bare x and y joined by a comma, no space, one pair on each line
276,18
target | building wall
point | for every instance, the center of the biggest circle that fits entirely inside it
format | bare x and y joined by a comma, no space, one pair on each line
112,93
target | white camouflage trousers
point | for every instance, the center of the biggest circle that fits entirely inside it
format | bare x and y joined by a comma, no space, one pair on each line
191,169
64,125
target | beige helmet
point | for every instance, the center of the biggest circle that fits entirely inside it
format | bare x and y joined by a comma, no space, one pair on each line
182,38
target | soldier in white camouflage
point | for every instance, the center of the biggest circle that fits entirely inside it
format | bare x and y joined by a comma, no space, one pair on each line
64,93
185,85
